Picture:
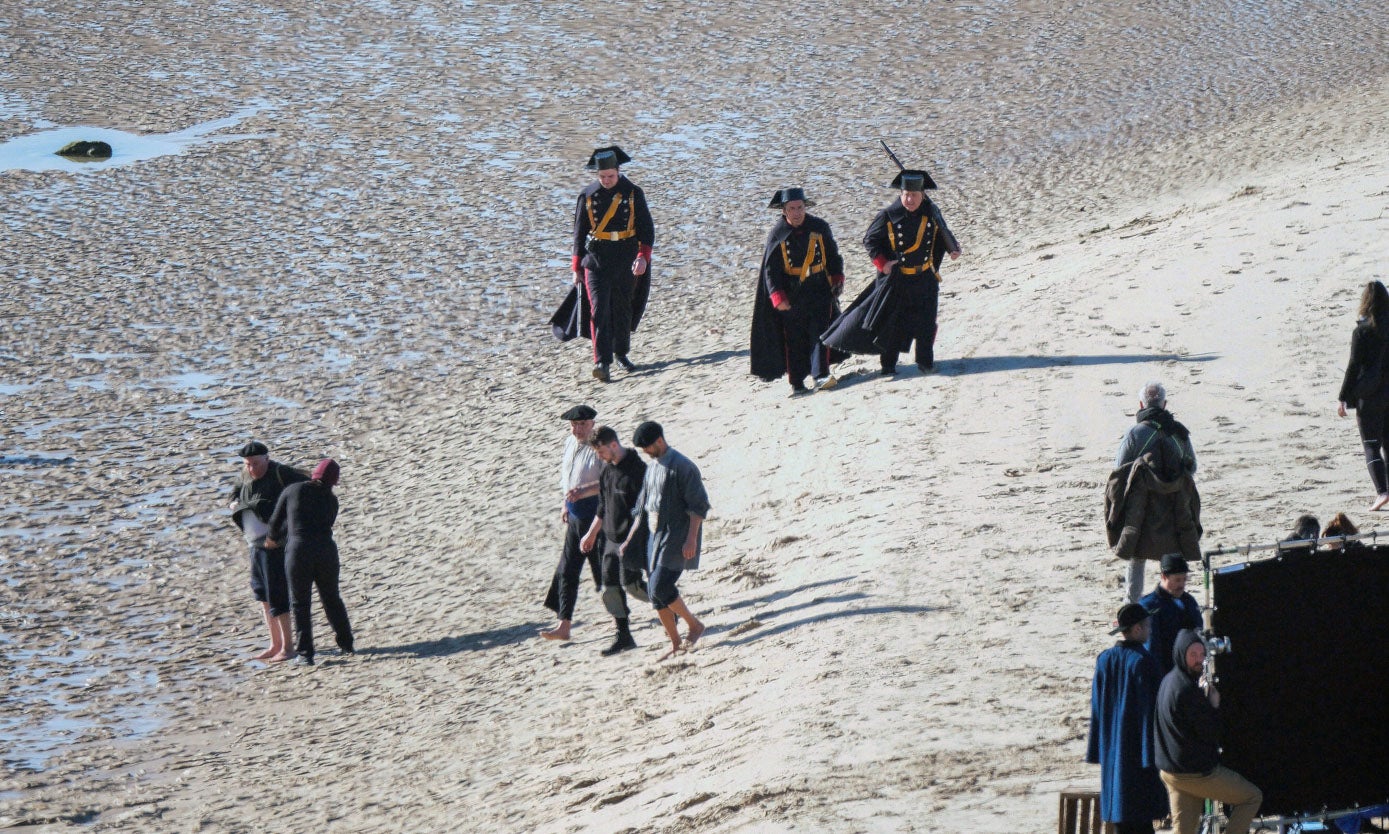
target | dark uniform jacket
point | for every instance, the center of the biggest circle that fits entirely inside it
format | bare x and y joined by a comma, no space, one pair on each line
801,266
304,516
918,241
611,226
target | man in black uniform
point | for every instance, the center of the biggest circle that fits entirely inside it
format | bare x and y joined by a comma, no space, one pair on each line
802,275
907,242
613,236
619,484
254,495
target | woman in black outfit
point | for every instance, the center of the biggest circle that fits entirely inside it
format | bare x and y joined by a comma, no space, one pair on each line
303,520
1364,388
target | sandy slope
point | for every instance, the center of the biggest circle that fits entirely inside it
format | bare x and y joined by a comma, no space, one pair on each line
906,582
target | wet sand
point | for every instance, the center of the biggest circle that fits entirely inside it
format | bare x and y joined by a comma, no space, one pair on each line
906,582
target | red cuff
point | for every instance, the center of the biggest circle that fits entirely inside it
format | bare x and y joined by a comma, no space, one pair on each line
644,251
880,262
778,298
574,264
837,280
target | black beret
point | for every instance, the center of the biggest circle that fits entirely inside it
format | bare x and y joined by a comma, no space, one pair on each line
647,433
1174,563
579,412
255,447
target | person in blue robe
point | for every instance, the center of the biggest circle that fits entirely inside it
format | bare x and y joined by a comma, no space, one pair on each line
1123,702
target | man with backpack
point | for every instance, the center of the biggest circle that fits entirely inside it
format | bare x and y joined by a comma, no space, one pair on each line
1152,507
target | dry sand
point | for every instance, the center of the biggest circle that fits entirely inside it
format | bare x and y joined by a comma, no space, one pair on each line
905,579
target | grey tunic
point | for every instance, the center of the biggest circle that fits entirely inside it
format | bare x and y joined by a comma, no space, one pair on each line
671,491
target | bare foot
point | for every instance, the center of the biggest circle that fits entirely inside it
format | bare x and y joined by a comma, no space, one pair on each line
1379,503
672,653
696,632
278,658
267,654
555,634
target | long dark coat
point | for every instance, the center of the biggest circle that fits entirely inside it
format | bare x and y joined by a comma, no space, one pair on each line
812,307
1123,706
874,324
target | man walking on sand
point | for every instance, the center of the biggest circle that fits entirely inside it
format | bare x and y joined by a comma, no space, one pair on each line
578,483
907,242
619,484
613,236
1123,698
1161,500
254,495
673,506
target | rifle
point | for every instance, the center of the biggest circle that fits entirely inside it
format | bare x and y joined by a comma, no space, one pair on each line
892,156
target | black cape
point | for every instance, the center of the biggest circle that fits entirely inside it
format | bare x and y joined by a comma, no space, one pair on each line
571,320
768,346
873,323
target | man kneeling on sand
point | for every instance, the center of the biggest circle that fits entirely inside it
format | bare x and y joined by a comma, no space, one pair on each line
673,506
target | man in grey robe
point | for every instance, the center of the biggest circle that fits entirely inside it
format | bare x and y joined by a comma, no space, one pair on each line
672,507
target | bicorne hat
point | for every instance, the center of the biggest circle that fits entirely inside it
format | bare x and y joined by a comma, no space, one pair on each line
605,159
789,195
910,179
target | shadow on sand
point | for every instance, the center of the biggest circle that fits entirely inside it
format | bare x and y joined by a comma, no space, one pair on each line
989,364
478,641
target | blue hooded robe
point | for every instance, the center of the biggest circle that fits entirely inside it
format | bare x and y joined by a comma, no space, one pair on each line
1123,704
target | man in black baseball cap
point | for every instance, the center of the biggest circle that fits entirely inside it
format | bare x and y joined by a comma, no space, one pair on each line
1173,609
253,497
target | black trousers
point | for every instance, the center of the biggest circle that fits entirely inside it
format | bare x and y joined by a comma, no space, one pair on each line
621,578
310,564
564,588
610,289
1373,421
920,300
1134,827
809,316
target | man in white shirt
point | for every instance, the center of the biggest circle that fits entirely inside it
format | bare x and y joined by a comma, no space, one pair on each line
578,483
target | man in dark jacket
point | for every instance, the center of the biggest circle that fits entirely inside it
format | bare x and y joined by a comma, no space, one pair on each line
1188,745
303,523
1173,610
802,274
253,496
619,484
1151,517
1122,700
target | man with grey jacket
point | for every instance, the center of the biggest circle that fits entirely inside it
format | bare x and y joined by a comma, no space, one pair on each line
672,507
1167,443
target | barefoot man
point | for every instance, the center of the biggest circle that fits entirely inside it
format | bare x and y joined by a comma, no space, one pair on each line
578,482
673,507
253,496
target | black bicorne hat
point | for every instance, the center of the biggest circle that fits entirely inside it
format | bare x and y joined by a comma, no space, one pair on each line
605,159
910,179
789,195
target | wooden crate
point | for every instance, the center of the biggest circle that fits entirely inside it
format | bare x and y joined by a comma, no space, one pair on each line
1080,814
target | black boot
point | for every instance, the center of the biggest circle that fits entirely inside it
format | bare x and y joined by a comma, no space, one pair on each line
622,642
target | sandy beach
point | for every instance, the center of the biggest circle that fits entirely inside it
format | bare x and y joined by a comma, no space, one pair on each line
354,252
